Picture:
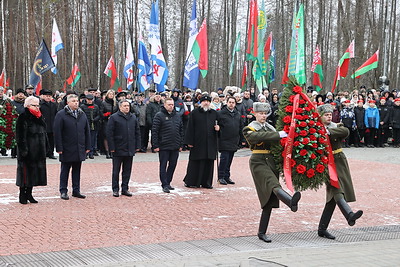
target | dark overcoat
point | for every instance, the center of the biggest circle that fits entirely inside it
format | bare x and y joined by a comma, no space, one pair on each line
32,147
262,166
71,135
231,125
201,134
123,134
336,137
167,130
49,111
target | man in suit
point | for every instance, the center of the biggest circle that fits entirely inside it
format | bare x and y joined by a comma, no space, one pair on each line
123,135
72,140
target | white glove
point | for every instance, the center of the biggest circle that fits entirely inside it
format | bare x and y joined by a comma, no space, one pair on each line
282,134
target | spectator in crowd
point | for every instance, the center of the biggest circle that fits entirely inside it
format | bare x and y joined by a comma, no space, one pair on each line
230,137
167,139
384,117
335,113
396,122
152,108
108,107
337,196
359,112
123,134
253,95
144,131
29,89
178,102
32,146
92,112
261,136
329,98
72,140
201,137
371,120
348,118
274,108
49,110
216,103
248,106
18,103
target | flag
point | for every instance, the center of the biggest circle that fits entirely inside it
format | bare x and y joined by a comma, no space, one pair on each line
3,73
200,49
371,63
144,66
252,31
56,44
236,48
43,62
191,71
316,68
38,87
244,76
285,76
268,47
271,72
159,66
129,62
75,76
7,85
262,29
111,71
343,65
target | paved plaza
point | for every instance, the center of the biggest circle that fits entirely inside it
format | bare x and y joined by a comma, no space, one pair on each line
196,227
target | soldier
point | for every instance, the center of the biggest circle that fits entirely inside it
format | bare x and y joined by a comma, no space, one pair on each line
261,135
340,196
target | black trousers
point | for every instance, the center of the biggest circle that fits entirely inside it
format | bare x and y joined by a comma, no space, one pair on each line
370,136
225,162
144,137
170,158
76,176
50,152
396,136
126,164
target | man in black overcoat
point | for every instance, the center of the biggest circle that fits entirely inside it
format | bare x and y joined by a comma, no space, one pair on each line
72,140
49,111
201,137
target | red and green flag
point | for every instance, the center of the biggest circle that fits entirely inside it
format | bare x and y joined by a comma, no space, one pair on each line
244,76
252,32
75,76
343,65
236,48
371,63
285,76
316,68
111,71
200,49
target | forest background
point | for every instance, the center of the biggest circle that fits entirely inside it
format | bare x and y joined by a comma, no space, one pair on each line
92,31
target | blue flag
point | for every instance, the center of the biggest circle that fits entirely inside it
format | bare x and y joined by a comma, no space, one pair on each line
144,75
191,72
43,62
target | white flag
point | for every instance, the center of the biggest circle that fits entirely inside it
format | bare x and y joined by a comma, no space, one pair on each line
56,45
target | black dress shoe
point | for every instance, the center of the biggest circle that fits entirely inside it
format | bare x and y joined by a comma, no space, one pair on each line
166,189
170,187
126,193
264,238
229,181
222,181
207,187
64,196
325,233
78,195
91,157
115,194
190,186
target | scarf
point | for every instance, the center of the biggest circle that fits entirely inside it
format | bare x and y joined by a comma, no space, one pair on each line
35,112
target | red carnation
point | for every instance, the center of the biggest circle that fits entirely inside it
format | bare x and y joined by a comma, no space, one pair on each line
324,160
313,156
319,124
299,110
303,124
313,138
303,152
186,113
296,143
299,117
283,141
315,115
303,133
292,163
297,89
307,108
301,169
319,151
291,98
320,168
321,131
315,145
311,123
287,119
305,141
243,116
180,104
289,109
92,107
322,140
310,173
301,102
286,128
312,131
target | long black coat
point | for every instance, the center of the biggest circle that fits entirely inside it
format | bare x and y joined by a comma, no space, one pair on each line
360,114
201,134
32,147
123,134
92,112
49,111
71,135
396,117
230,134
167,130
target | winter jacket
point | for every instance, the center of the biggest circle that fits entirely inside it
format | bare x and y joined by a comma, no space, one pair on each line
151,110
371,118
384,115
92,112
49,111
360,114
396,117
231,125
167,130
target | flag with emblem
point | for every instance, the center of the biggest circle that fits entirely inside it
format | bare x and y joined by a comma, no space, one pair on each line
316,69
128,66
42,63
56,45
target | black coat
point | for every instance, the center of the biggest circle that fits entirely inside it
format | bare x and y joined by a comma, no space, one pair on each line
360,114
93,115
123,134
384,115
151,111
49,111
231,125
167,130
32,147
19,106
396,117
71,135
201,134
107,108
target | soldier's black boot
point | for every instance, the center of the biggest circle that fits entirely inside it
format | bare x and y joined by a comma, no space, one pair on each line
264,221
350,216
29,195
290,201
325,219
22,195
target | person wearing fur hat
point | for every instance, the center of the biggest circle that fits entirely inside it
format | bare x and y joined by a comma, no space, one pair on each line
201,137
260,135
337,196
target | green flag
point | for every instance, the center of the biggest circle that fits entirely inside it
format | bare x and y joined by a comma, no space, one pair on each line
236,48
